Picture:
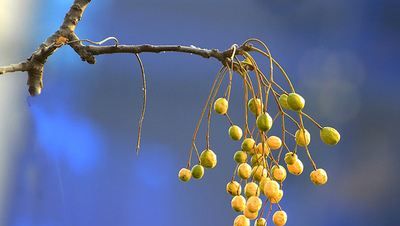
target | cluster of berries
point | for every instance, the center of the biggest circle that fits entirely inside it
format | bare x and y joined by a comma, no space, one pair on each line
258,166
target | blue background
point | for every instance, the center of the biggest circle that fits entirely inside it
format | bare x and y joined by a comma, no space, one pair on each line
77,164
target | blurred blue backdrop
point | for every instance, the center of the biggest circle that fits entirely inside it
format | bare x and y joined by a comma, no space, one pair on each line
74,161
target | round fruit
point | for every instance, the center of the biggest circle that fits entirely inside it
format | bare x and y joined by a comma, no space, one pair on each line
233,188
290,158
263,181
278,173
240,157
255,106
296,168
279,218
283,101
278,197
300,139
262,148
249,214
241,220
197,172
221,106
238,203
251,189
329,135
260,222
258,172
254,204
264,122
184,174
248,145
319,177
244,171
295,101
257,160
235,132
274,142
208,159
271,188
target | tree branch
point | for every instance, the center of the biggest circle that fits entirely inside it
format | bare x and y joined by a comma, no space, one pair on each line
66,35
23,66
206,53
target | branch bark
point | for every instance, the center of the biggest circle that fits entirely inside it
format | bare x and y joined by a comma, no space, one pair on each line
66,35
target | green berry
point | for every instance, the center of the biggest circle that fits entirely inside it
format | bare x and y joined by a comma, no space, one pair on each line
260,222
221,106
235,132
302,137
248,144
290,158
257,160
240,157
264,122
295,101
184,175
255,105
283,101
197,172
208,159
329,135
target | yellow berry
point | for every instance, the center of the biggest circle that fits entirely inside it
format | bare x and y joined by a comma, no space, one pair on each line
296,168
258,172
254,204
248,145
271,188
255,106
221,106
260,222
244,171
290,158
197,172
319,177
262,148
257,160
208,159
238,203
240,157
283,101
241,220
263,181
278,173
277,197
233,188
302,140
264,122
184,174
295,101
249,214
279,218
274,142
329,135
251,189
235,132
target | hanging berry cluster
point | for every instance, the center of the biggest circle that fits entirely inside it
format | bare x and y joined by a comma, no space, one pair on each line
258,162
